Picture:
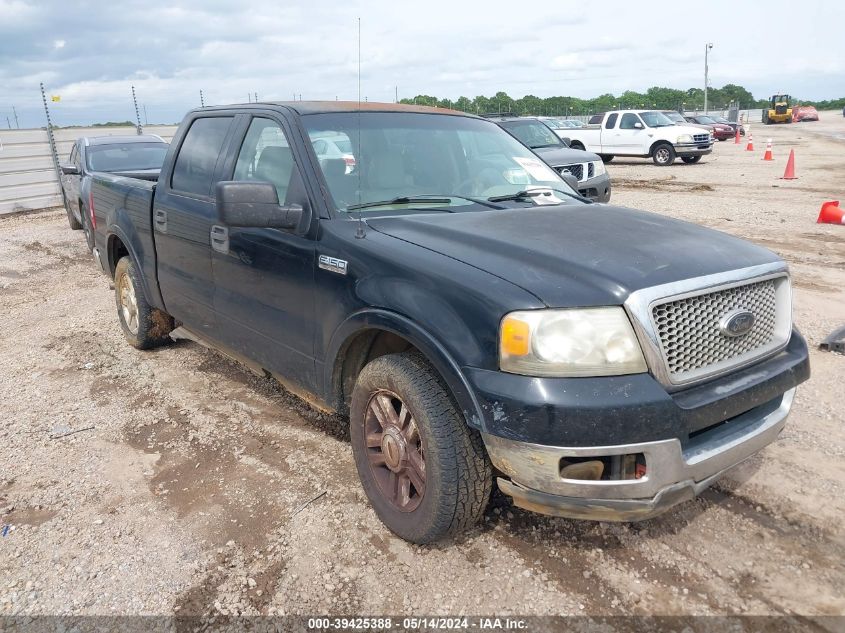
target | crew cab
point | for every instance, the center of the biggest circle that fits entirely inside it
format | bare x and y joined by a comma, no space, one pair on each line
140,156
643,133
474,318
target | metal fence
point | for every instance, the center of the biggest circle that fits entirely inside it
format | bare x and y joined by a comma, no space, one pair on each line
27,175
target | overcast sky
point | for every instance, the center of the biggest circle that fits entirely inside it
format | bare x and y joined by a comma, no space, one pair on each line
90,53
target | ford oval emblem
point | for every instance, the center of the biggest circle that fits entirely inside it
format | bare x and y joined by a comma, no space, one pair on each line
737,323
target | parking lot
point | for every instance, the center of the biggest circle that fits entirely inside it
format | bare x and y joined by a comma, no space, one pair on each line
148,482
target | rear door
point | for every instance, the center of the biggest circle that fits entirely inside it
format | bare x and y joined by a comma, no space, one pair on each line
183,214
264,278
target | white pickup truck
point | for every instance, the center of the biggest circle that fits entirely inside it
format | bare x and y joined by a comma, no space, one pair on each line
644,133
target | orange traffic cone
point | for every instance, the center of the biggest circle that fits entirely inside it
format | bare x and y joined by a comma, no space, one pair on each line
768,154
736,136
750,146
789,172
831,213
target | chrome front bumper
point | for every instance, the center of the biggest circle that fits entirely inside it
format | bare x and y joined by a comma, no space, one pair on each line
674,473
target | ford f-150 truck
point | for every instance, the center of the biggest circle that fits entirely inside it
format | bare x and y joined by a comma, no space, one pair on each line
642,133
471,315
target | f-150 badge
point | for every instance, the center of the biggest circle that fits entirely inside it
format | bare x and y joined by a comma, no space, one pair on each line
332,264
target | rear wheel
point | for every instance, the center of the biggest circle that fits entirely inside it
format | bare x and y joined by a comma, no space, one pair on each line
663,154
425,472
690,160
143,326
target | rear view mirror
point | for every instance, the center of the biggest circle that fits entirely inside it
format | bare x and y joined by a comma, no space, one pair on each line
570,180
638,125
255,204
69,169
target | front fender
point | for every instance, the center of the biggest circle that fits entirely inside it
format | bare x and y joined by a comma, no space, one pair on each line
424,341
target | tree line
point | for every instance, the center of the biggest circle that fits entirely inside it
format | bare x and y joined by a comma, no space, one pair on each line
655,97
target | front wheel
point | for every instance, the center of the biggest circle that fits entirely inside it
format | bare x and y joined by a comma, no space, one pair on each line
663,155
86,226
143,326
690,160
71,219
425,472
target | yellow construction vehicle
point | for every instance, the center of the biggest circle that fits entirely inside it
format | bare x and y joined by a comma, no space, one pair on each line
779,110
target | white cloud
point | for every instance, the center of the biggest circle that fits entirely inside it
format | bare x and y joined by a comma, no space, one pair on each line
59,43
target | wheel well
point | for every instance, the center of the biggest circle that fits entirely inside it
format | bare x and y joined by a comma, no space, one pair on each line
116,250
657,144
576,145
357,352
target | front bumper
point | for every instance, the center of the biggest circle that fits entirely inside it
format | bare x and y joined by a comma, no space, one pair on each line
693,149
596,189
675,472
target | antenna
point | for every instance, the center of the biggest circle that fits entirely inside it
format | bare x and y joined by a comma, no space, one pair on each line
359,232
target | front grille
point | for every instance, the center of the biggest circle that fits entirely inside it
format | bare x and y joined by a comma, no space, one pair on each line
691,339
701,138
576,169
591,170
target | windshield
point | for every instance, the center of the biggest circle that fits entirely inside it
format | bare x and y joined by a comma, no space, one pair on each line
126,156
655,119
532,133
401,156
675,116
719,119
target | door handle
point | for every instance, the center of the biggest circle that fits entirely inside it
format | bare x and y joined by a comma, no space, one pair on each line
220,238
160,220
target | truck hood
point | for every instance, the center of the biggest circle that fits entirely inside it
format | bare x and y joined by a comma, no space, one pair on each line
557,156
689,128
577,255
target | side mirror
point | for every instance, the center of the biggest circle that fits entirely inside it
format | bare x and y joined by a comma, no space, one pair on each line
638,126
570,180
69,169
255,204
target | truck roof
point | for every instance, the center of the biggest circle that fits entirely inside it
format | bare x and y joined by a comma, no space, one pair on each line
323,107
111,140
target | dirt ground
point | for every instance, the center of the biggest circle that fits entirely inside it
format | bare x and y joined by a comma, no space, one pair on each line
193,487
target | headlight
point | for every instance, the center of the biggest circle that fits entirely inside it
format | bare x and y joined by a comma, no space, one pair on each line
569,342
598,168
684,138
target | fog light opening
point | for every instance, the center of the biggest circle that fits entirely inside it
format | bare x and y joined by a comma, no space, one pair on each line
604,467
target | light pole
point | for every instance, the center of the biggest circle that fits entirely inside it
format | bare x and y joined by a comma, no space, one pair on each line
707,48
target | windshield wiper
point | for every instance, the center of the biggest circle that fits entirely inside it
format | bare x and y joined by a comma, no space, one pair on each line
533,193
429,198
401,200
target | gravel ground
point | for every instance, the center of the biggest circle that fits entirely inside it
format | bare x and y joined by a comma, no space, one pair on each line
194,487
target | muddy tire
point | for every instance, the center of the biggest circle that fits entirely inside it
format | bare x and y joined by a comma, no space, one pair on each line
663,154
690,160
86,226
71,219
143,326
425,472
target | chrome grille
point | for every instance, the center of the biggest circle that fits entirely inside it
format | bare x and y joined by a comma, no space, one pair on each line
591,170
701,138
692,342
576,169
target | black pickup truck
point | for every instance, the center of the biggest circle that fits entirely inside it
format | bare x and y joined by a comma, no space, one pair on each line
470,313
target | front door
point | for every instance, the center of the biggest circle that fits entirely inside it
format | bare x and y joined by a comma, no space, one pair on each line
630,139
183,214
264,278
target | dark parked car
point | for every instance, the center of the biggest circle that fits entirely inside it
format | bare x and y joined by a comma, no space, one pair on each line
588,168
461,305
721,131
135,156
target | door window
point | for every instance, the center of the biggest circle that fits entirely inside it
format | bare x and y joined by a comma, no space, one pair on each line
266,156
611,121
628,121
194,168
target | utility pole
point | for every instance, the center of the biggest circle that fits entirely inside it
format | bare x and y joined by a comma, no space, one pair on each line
396,100
15,113
707,48
256,97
